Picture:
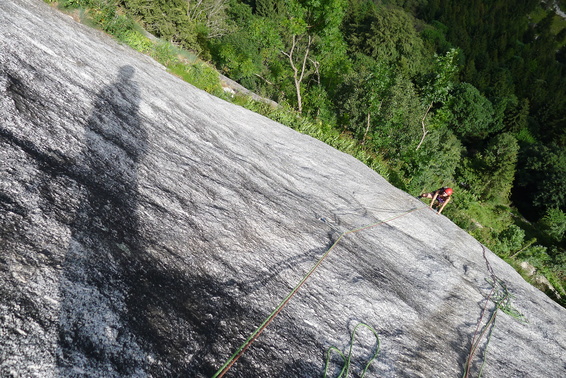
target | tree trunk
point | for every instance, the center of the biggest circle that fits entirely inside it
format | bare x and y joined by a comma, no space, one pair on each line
424,128
369,122
298,78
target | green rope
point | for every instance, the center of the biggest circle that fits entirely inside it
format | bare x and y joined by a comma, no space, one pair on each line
347,359
255,334
488,339
501,297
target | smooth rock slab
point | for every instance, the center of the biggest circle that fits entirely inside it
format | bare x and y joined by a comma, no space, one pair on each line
147,228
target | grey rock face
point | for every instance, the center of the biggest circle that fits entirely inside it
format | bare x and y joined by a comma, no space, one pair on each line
147,228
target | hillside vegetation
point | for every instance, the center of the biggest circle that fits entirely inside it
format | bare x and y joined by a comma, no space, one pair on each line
429,93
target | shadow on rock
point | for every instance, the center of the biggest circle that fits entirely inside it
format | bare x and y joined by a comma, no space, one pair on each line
122,312
105,239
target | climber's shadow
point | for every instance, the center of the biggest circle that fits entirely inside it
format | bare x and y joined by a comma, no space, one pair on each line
121,311
105,241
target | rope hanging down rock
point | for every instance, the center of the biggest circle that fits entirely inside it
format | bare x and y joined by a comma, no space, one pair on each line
501,297
255,334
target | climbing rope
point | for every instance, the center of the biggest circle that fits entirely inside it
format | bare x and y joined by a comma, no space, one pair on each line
255,334
501,297
347,359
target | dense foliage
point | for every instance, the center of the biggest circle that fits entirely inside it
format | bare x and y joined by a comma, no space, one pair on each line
468,94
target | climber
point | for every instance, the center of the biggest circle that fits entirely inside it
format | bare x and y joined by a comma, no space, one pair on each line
442,196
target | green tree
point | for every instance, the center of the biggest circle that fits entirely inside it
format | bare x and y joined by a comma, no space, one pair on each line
435,163
362,95
499,162
298,46
247,54
516,116
399,128
541,179
314,47
510,240
553,223
437,85
327,17
536,254
210,16
434,35
166,19
472,113
489,174
502,95
393,38
269,8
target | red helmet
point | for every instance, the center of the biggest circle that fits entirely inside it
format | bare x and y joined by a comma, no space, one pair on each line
448,191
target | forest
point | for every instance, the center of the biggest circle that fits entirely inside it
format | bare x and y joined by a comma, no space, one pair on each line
429,93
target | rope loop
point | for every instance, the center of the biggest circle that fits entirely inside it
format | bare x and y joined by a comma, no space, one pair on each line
348,359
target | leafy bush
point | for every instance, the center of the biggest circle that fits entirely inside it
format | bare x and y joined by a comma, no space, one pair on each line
472,112
553,224
137,41
536,255
165,53
200,75
67,4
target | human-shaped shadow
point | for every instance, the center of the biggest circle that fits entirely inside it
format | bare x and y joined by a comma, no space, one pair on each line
105,236
122,312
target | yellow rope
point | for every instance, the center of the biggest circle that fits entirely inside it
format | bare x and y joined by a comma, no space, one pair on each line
255,334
